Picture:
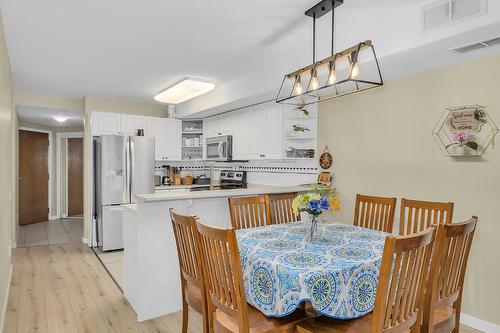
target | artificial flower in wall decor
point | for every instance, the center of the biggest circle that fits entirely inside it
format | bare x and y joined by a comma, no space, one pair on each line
463,140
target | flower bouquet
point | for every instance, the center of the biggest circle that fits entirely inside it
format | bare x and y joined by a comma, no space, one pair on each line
322,199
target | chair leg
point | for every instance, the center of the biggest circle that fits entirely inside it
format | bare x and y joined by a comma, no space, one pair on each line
185,317
458,309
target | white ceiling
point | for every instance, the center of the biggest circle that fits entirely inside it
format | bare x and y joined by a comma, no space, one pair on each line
44,116
134,49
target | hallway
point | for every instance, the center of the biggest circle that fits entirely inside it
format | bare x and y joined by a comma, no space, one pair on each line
61,231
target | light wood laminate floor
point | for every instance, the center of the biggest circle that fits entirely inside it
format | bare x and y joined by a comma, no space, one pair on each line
65,288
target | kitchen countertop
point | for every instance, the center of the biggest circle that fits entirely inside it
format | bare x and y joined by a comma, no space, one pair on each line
252,189
177,187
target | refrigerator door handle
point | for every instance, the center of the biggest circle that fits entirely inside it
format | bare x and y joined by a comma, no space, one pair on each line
129,167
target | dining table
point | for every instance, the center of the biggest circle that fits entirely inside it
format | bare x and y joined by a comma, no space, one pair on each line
336,271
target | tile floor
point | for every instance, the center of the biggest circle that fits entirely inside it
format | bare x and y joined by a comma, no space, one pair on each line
68,230
113,262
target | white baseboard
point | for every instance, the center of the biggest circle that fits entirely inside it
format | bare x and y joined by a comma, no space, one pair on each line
54,217
478,324
6,300
86,241
64,215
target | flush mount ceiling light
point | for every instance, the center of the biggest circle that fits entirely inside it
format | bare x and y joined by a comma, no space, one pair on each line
184,90
349,71
60,119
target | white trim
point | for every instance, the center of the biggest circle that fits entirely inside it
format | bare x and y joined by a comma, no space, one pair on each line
49,162
59,136
479,324
6,300
54,217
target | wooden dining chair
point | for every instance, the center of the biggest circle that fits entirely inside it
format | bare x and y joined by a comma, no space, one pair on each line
280,206
375,213
419,215
443,298
226,291
192,282
249,212
399,293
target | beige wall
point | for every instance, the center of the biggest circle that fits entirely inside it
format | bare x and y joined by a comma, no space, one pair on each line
53,179
7,189
123,106
381,143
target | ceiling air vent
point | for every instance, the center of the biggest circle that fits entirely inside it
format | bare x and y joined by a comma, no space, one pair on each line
476,46
443,13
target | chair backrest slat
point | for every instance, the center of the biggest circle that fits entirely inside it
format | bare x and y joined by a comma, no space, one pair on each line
418,215
249,212
187,250
402,280
375,213
280,206
222,271
449,264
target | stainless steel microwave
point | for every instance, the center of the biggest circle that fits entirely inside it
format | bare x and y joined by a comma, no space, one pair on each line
220,148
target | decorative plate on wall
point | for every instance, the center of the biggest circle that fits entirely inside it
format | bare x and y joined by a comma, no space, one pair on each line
326,159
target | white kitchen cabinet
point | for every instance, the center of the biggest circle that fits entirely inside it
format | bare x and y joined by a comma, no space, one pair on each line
156,129
173,130
104,123
257,133
272,133
168,138
130,124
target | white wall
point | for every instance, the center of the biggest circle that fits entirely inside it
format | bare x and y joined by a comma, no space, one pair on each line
381,143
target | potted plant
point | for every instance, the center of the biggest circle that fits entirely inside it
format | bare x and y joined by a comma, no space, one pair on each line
320,200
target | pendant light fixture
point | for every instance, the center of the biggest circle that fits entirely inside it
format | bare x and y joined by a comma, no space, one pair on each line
349,71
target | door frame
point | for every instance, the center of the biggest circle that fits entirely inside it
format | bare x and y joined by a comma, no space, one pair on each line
49,165
59,136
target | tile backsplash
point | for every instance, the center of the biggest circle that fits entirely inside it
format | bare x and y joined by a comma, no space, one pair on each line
265,172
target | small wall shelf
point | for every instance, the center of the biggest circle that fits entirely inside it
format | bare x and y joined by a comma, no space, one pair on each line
464,131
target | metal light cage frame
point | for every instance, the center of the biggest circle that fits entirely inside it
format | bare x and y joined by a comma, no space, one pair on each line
348,84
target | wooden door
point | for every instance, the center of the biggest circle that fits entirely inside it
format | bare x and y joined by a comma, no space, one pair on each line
33,177
75,176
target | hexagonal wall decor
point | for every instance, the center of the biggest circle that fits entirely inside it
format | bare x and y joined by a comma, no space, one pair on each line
465,131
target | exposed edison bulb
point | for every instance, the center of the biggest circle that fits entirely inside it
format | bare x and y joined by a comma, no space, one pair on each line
332,78
354,70
314,84
298,86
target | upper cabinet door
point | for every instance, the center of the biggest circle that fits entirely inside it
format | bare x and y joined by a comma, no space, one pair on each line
173,139
104,123
271,138
130,124
156,129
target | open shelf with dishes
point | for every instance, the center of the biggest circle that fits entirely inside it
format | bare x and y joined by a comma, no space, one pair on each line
192,140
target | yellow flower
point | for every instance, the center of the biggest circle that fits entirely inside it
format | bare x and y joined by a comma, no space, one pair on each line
334,204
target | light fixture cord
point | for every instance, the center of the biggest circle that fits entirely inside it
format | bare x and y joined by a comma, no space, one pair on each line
314,38
333,27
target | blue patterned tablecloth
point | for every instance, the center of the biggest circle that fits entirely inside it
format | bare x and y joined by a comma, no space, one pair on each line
337,271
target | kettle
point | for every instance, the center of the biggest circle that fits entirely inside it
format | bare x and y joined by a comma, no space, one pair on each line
166,180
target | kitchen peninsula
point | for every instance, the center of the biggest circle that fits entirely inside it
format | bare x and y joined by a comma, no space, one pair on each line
151,273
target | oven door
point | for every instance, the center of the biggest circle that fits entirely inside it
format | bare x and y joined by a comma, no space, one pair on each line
219,148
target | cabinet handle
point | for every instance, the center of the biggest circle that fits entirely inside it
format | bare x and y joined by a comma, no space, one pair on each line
262,155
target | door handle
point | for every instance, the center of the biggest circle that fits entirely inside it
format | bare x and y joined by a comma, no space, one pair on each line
219,149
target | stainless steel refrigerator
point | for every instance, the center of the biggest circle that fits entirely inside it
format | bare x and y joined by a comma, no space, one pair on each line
124,167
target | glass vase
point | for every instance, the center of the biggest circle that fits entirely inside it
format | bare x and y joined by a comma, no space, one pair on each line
313,226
